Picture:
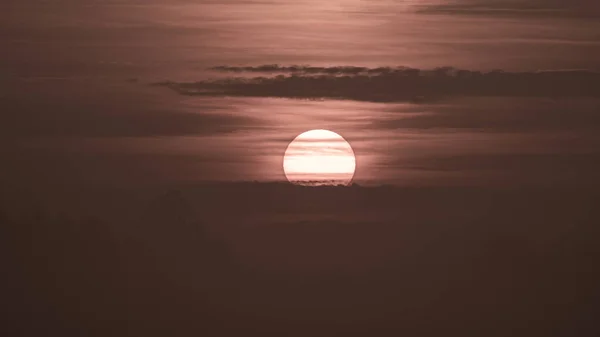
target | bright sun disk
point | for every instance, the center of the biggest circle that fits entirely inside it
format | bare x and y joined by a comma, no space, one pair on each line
319,157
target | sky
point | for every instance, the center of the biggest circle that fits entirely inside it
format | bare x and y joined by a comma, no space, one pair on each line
110,81
142,183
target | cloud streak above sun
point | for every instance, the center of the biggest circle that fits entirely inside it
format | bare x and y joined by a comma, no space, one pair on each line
391,84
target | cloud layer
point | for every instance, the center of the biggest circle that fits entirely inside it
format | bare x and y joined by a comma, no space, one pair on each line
88,111
392,84
520,8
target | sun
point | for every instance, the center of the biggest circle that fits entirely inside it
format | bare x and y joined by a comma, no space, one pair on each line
319,157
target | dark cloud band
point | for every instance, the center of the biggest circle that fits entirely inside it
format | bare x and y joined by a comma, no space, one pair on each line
393,84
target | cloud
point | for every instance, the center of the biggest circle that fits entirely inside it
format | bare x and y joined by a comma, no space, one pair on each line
520,8
107,114
392,84
305,69
500,115
521,164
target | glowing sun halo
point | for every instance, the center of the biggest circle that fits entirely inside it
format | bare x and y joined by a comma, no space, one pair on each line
319,157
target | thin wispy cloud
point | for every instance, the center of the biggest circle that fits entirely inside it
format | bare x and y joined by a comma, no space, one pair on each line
108,114
528,115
